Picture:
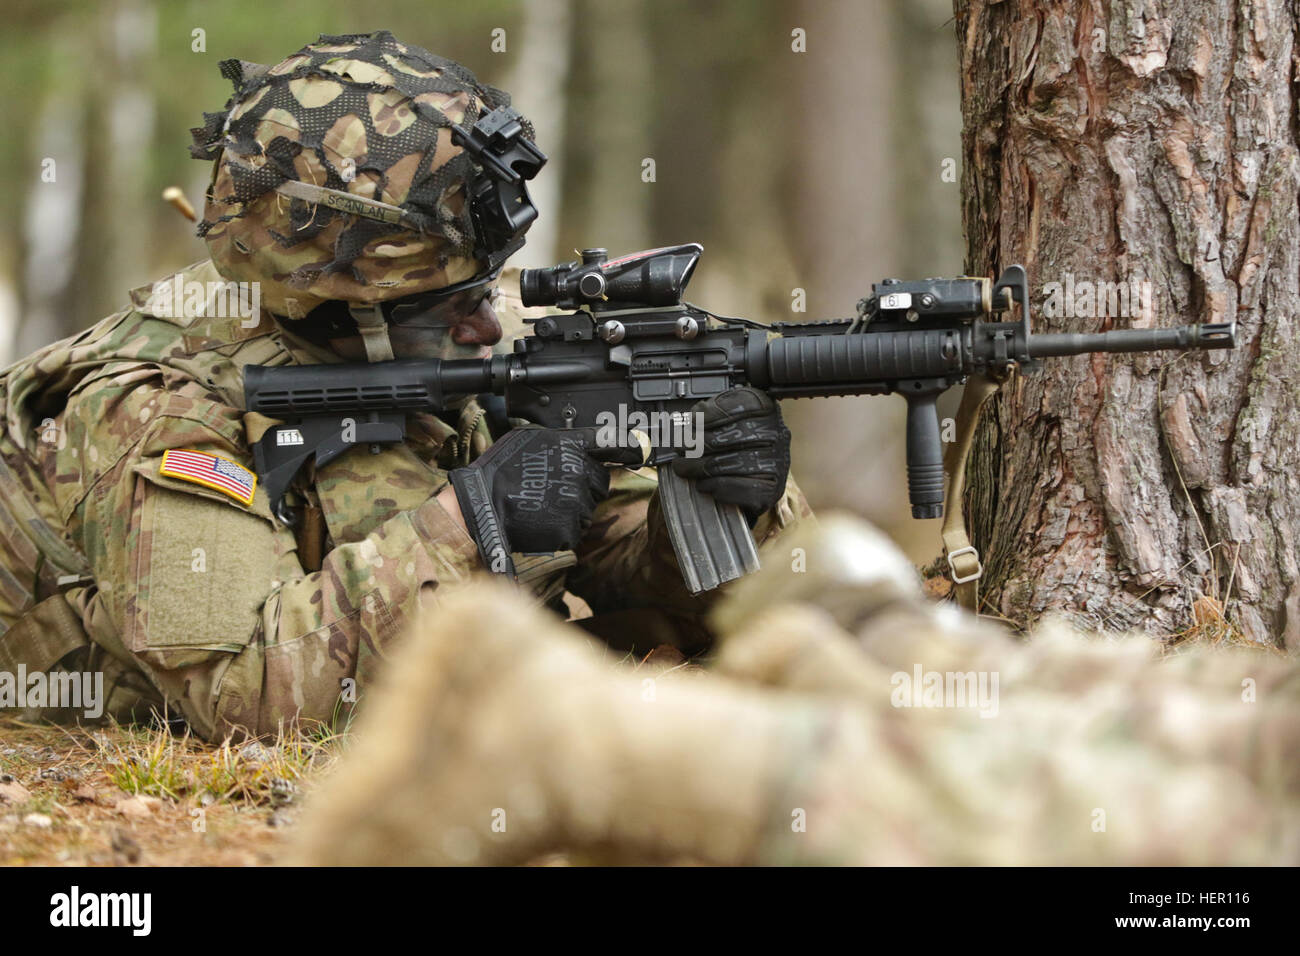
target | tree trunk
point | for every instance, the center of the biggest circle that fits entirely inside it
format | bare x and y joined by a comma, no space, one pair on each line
1156,141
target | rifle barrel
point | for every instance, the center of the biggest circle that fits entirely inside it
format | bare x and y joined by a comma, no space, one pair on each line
1213,335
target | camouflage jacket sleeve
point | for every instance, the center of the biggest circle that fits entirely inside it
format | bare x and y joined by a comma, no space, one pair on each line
628,574
206,594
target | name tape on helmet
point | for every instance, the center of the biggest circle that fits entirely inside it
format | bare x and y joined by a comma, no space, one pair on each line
347,203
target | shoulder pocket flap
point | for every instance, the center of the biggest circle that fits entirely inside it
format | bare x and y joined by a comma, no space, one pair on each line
203,571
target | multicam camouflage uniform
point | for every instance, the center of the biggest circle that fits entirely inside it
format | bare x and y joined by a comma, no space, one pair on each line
208,596
509,737
112,560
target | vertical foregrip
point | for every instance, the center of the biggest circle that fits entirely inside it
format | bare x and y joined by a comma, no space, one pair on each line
924,456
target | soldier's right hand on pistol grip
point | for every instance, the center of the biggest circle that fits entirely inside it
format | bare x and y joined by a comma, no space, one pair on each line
545,483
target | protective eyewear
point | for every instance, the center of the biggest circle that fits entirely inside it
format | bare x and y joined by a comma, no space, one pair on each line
441,307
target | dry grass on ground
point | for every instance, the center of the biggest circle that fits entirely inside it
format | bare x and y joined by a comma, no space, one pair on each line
121,796
130,795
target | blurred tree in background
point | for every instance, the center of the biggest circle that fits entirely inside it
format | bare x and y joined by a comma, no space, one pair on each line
810,146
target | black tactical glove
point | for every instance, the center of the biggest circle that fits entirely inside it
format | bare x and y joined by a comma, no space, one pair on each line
533,491
746,456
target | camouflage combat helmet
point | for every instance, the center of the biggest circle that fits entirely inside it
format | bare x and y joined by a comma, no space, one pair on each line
362,169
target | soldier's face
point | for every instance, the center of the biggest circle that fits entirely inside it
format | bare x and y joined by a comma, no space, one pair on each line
466,336
447,333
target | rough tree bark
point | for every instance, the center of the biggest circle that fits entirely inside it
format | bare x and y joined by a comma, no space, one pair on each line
1152,140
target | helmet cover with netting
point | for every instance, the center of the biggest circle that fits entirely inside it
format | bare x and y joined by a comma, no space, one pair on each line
363,115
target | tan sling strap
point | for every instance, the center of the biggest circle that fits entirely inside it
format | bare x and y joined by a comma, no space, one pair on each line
374,331
963,559
42,637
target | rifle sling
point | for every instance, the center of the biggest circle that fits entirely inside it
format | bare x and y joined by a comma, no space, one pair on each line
963,559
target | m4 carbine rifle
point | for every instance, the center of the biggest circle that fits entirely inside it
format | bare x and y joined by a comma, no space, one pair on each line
628,341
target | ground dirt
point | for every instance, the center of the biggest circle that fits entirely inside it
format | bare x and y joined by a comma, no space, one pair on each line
116,796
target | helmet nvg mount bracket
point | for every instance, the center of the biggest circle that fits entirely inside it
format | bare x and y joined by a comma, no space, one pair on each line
500,204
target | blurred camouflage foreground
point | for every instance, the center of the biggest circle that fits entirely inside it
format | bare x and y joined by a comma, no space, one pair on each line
510,736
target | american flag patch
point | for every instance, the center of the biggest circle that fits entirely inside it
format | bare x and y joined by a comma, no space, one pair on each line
211,471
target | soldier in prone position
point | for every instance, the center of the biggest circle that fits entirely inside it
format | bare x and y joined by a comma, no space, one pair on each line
134,539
